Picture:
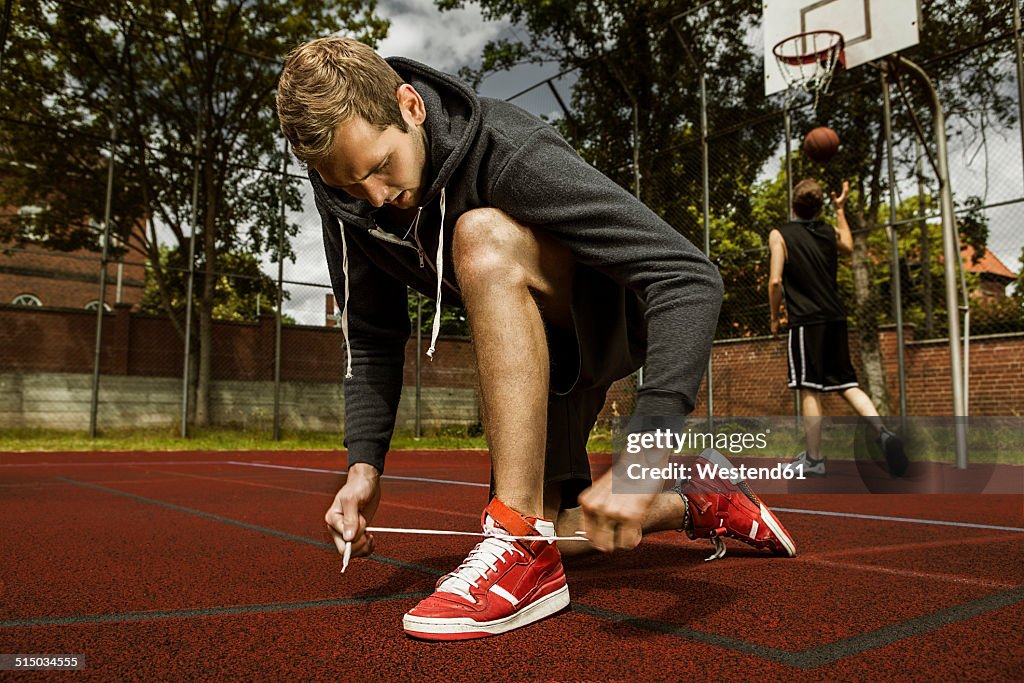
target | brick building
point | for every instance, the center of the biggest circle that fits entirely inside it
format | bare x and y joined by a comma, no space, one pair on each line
993,274
32,275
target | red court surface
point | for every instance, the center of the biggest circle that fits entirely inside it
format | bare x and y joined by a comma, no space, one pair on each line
185,566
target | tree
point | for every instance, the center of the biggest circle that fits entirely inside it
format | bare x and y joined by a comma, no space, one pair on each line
636,111
187,88
453,318
241,291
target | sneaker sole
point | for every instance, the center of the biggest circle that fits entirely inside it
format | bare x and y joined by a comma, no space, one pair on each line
776,528
426,628
767,515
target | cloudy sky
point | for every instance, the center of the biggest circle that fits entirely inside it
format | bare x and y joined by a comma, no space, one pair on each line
447,41
451,40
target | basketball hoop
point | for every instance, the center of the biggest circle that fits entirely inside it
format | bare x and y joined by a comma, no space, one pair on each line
809,60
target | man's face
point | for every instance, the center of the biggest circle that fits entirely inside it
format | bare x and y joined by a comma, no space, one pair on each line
380,166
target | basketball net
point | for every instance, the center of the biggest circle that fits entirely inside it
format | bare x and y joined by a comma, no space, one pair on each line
808,61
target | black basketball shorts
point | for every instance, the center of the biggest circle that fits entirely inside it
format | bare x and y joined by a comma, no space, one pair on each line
819,357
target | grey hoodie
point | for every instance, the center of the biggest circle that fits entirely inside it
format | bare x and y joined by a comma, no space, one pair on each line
488,153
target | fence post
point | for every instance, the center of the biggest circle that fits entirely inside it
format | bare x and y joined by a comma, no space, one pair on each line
4,28
186,375
1020,72
787,134
706,194
419,365
894,267
94,401
280,296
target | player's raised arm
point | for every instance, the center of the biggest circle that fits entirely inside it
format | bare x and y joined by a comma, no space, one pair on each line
844,238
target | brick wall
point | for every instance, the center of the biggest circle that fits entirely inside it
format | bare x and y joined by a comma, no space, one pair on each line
136,344
749,375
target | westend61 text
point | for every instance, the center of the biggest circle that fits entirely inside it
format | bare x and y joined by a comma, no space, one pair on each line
666,439
705,471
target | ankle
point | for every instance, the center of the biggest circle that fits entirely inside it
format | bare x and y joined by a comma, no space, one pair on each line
686,525
523,506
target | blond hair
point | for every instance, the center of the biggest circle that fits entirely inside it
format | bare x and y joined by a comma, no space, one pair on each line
326,82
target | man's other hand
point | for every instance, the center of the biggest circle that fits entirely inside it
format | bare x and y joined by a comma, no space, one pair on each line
353,509
613,521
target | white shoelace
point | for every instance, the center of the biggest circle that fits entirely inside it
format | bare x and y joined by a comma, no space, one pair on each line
481,559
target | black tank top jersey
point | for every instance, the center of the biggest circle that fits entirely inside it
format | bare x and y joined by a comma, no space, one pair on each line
809,277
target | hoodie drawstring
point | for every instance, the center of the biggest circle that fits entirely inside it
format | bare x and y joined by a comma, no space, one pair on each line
344,307
436,330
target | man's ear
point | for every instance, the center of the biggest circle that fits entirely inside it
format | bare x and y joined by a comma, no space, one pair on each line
411,104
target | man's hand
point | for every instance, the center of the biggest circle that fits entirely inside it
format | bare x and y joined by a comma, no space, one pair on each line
779,320
613,521
353,509
840,201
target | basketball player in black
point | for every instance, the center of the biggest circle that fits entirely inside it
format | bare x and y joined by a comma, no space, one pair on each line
804,259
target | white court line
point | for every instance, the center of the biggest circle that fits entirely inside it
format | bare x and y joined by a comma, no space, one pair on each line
383,476
852,515
953,578
908,520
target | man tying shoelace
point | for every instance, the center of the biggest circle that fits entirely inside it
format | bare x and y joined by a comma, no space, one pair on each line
570,283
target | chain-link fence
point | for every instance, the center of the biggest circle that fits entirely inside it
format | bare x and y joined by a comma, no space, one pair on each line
116,153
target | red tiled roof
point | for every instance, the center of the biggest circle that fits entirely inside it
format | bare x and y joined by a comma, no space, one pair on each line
988,264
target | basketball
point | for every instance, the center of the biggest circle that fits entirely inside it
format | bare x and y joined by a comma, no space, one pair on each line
821,144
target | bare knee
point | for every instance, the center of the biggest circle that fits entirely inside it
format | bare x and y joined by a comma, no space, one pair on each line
485,245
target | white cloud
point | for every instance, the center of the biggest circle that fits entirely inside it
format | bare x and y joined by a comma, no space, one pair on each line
444,40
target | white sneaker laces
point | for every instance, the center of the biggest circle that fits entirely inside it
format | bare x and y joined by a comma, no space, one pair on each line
483,558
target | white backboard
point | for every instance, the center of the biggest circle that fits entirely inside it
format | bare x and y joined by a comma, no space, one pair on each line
871,29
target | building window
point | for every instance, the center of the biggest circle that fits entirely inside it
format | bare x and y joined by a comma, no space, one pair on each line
29,216
94,304
27,300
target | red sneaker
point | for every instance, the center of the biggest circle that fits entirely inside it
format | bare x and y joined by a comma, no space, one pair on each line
502,585
720,507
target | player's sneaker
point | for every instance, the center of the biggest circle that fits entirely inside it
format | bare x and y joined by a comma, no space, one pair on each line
892,447
503,584
803,465
718,507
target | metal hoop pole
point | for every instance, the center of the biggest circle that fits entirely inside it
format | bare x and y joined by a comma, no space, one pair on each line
951,257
